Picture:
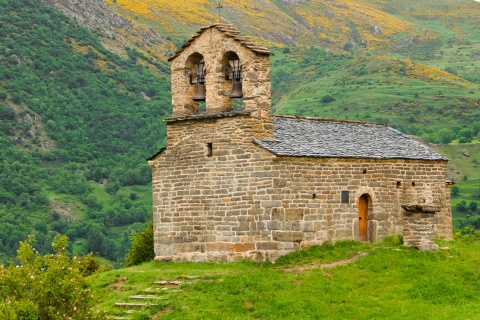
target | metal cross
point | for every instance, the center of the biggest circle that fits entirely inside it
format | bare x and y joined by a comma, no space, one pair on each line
220,7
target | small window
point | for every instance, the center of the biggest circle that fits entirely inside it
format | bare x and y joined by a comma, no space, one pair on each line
364,171
314,196
209,149
399,184
413,183
345,197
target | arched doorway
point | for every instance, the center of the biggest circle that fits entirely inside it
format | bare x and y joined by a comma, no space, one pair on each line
363,218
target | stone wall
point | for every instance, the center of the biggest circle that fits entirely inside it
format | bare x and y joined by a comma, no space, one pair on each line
218,196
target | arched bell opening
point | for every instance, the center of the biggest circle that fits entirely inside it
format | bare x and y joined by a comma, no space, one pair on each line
232,84
196,71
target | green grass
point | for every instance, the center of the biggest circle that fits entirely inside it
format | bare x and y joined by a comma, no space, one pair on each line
391,282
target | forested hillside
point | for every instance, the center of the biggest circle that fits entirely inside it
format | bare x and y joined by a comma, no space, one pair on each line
72,112
84,90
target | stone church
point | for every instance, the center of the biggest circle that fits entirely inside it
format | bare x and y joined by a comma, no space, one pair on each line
235,182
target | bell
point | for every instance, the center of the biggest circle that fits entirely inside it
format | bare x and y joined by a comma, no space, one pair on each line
236,89
201,92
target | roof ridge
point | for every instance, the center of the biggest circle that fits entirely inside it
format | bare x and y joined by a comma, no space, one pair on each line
332,120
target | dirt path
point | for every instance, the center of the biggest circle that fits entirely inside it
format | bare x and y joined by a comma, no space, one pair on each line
325,265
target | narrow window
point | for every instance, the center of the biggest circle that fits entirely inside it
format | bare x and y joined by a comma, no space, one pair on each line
209,149
314,196
398,184
345,197
413,183
364,171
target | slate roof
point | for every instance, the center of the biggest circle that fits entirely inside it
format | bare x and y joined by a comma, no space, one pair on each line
229,31
302,137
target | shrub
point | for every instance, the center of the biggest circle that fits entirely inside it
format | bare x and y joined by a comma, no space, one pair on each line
461,206
473,207
451,70
6,113
142,247
45,287
446,135
327,99
455,191
88,264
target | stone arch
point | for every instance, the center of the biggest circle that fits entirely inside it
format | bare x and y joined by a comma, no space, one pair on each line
190,80
226,82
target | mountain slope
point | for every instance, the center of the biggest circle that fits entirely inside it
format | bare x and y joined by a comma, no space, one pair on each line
115,31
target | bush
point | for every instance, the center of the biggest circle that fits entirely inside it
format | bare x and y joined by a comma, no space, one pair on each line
327,99
446,135
461,206
6,113
455,191
451,70
142,247
45,287
88,264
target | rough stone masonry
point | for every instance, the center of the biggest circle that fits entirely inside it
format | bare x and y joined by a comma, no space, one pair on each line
241,184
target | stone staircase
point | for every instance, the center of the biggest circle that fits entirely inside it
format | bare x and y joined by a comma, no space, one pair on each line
149,297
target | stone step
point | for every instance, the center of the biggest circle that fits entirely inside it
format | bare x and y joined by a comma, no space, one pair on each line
133,305
146,297
167,283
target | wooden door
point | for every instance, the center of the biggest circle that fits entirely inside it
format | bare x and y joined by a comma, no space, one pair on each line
362,218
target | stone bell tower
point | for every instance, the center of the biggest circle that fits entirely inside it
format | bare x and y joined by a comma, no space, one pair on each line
224,56
204,183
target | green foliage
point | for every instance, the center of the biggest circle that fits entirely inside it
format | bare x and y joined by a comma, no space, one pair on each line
327,99
455,191
446,135
451,70
142,247
97,123
89,265
45,287
6,113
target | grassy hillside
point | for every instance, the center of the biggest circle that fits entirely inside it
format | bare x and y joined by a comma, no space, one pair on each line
389,282
412,97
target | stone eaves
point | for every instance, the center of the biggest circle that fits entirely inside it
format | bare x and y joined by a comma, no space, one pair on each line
302,137
208,115
230,31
